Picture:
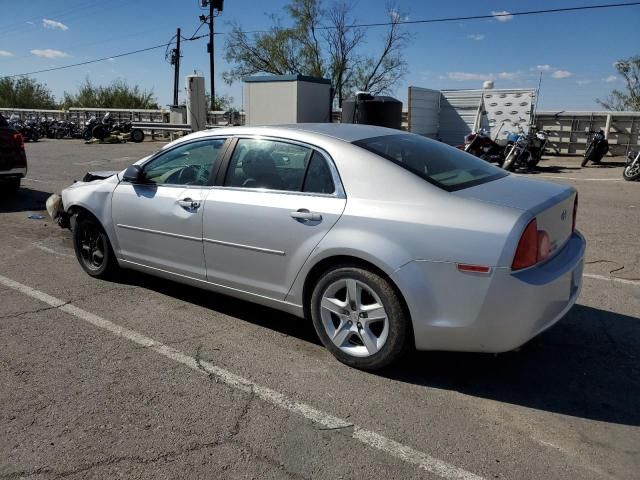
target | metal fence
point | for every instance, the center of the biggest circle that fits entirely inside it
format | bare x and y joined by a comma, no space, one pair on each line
568,136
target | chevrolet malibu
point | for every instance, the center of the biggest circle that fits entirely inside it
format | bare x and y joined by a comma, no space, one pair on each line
384,240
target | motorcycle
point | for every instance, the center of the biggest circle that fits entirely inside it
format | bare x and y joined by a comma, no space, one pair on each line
537,142
89,125
29,129
631,170
517,154
597,148
482,146
108,126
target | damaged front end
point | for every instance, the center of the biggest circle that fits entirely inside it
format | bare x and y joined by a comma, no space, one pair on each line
55,205
56,211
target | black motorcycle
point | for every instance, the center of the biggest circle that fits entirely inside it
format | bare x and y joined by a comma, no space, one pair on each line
631,170
30,129
537,143
87,133
597,148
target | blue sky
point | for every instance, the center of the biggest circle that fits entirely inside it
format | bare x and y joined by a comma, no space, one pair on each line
575,50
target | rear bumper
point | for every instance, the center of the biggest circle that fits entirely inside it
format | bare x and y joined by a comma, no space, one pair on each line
489,313
18,172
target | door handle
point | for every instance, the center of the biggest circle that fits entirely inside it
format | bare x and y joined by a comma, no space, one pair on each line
305,215
188,203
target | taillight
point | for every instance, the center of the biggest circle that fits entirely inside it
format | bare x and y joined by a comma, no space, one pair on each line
527,251
575,212
534,246
19,139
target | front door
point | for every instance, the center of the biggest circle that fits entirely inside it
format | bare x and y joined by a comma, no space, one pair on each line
158,221
277,202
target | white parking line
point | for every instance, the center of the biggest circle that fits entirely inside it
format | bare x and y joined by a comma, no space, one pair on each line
326,420
29,179
611,279
580,179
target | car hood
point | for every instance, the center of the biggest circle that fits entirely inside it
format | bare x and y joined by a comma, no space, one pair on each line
519,192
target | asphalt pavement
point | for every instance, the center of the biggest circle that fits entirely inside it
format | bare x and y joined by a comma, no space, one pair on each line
146,378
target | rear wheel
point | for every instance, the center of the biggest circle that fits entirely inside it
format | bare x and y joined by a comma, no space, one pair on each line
359,318
137,135
92,247
9,187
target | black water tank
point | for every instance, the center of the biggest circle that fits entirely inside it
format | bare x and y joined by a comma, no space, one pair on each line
373,110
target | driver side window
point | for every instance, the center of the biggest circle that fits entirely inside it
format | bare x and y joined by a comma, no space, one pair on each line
189,164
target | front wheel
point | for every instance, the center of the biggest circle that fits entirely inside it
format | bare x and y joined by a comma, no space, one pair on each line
359,318
632,171
587,155
508,163
92,247
86,135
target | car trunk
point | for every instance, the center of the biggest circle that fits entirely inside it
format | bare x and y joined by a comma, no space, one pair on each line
552,204
11,153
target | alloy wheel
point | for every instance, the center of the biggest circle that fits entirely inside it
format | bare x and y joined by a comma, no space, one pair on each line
354,317
92,246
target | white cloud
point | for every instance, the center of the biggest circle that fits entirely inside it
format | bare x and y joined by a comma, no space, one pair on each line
610,79
30,23
583,82
396,17
502,16
479,77
476,36
561,74
48,53
111,59
542,68
46,23
5,53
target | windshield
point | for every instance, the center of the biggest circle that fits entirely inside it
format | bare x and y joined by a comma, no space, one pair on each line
444,166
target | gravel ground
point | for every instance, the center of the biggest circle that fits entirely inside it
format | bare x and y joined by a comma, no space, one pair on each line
80,401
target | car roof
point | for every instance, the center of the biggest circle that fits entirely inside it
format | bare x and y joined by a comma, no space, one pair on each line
345,132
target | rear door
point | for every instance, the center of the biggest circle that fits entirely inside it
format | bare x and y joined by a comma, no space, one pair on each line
272,207
159,221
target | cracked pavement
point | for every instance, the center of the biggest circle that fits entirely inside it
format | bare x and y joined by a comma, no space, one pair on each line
78,402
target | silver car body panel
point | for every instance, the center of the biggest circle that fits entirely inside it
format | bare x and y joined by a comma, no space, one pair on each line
248,245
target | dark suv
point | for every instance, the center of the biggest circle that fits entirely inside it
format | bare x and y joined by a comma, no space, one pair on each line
13,159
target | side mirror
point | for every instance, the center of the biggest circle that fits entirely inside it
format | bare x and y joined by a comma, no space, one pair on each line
133,174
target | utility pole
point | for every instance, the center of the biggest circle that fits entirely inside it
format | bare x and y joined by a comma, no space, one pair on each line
211,60
214,6
175,60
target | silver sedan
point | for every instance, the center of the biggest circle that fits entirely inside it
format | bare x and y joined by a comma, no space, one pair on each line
385,240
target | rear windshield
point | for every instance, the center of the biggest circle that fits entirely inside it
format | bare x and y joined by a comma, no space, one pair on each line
444,166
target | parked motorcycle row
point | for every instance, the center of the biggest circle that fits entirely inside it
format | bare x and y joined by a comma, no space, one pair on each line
33,129
523,151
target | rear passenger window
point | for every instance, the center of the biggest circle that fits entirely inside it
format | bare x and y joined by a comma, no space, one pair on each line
274,165
318,178
269,164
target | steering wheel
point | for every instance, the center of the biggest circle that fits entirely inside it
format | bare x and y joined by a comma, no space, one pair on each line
192,175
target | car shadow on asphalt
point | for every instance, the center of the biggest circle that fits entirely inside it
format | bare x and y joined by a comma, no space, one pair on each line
587,366
25,200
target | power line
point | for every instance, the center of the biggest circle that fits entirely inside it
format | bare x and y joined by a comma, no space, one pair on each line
363,25
497,15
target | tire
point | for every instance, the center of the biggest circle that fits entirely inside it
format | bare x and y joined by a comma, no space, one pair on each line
587,155
92,247
631,172
9,187
361,343
137,135
86,135
508,162
100,132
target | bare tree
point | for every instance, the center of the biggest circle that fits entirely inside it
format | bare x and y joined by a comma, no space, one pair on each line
322,43
629,69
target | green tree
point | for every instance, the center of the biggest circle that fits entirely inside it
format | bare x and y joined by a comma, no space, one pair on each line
25,92
321,42
620,100
119,94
